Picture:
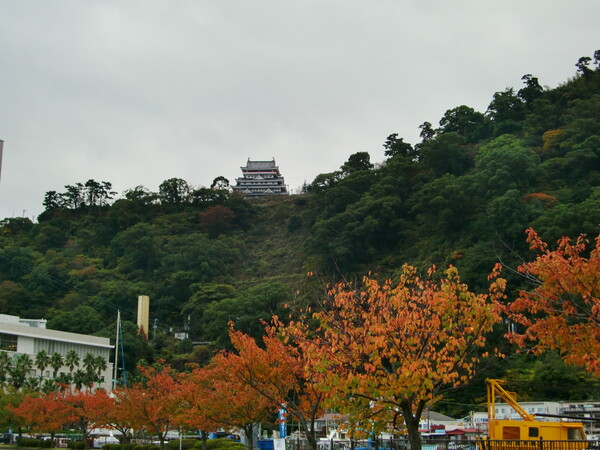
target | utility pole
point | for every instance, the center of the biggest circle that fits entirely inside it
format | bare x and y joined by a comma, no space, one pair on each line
114,383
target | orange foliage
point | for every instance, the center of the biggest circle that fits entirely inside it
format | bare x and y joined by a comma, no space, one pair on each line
153,405
86,409
552,138
547,200
42,414
215,397
394,346
563,311
279,373
52,412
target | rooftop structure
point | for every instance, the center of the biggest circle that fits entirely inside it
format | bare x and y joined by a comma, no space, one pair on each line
260,179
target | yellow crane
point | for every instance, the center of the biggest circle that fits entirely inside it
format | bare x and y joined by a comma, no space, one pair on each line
528,428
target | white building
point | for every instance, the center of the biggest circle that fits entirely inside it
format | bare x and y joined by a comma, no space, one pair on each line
19,336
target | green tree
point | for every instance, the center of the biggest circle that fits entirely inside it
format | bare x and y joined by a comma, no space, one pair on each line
532,89
583,64
357,161
83,319
89,368
42,360
72,360
463,120
427,131
101,366
137,248
56,362
445,154
74,197
506,111
505,163
220,182
5,363
247,310
174,191
395,146
20,370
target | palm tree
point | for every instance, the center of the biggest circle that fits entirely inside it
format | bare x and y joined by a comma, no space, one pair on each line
72,360
49,386
32,383
79,378
56,362
64,380
101,366
18,373
5,360
42,360
89,364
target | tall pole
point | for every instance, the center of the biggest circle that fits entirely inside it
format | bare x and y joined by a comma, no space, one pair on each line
1,147
114,383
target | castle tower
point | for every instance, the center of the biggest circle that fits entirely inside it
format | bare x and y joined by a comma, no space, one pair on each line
260,179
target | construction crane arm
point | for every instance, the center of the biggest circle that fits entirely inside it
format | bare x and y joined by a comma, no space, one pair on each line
494,388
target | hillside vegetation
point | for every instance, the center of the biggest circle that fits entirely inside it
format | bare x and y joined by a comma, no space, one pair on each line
464,195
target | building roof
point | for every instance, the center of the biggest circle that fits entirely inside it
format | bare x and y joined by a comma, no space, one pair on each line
260,165
435,416
54,335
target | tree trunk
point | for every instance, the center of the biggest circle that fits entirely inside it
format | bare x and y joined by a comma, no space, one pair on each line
311,435
412,426
249,436
84,433
203,436
161,438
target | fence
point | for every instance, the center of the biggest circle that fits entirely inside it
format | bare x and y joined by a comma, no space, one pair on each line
443,444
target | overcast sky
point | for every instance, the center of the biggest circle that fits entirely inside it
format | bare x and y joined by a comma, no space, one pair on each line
137,92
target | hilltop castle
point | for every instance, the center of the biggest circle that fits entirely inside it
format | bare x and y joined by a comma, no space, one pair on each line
260,179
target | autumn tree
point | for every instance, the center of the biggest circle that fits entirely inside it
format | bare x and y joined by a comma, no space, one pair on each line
152,404
562,311
86,409
216,220
278,372
46,414
392,348
193,395
119,417
215,397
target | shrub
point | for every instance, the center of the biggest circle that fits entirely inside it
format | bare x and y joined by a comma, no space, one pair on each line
221,444
186,444
76,445
29,442
146,447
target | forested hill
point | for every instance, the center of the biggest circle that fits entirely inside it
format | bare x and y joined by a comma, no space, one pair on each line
463,195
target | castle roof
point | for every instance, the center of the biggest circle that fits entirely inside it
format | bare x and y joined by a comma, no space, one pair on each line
260,165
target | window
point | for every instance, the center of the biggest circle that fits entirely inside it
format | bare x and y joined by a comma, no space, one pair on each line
511,433
534,432
8,342
574,434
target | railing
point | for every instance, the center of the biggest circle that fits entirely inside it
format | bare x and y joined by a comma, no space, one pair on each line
538,444
443,444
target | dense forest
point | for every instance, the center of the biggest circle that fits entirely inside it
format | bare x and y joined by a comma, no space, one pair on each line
205,256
